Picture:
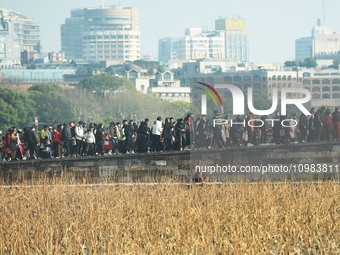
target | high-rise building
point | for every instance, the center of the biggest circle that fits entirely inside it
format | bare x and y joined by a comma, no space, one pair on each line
169,49
303,48
199,44
196,44
27,31
108,33
9,42
322,44
229,41
236,39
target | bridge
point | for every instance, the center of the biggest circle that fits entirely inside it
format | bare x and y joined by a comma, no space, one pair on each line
309,161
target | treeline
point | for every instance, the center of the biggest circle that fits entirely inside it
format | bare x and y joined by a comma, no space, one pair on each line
102,98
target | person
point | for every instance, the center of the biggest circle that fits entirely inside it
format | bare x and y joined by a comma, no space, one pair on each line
108,144
226,131
189,129
303,127
264,130
129,131
32,143
46,151
217,140
180,134
56,142
157,130
202,131
14,142
328,126
250,129
237,131
167,134
2,146
143,134
74,142
311,132
44,137
66,138
79,136
114,133
90,141
319,123
100,139
277,129
336,123
292,129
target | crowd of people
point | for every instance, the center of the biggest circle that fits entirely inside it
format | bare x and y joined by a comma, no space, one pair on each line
83,139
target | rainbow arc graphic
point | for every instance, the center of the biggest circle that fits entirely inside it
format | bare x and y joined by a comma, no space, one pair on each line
212,93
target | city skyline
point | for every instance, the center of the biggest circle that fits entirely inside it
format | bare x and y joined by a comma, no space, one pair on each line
272,27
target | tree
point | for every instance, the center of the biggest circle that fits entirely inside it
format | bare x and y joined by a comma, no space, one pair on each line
45,88
291,63
309,63
146,64
53,109
336,63
16,109
104,83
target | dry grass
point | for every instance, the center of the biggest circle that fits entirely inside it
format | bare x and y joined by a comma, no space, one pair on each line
233,219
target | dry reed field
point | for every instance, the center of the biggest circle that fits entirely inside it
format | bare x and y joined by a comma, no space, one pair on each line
236,218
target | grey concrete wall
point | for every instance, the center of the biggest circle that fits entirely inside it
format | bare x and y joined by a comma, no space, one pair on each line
181,164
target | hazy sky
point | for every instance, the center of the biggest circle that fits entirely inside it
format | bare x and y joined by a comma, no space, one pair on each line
272,25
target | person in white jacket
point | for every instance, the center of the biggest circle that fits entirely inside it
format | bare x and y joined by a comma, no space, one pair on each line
79,131
157,130
90,141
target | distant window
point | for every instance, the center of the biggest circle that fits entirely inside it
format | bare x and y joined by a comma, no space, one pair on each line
336,81
257,78
237,79
326,82
306,82
227,79
316,82
326,89
326,96
316,89
336,88
167,76
247,78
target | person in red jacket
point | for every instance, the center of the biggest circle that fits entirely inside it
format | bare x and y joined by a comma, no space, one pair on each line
56,142
329,126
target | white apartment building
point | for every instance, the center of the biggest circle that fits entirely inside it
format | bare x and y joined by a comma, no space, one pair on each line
108,33
229,41
322,44
196,44
236,39
201,45
25,28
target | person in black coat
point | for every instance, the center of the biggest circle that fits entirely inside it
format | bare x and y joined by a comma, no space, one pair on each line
129,129
100,139
143,134
66,138
32,143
